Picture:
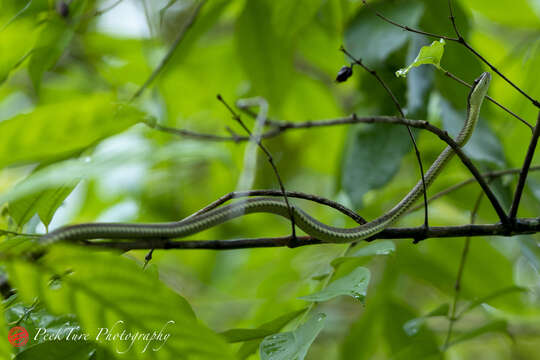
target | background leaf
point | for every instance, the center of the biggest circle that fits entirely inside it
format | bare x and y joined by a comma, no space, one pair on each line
103,281
354,284
292,345
63,128
372,158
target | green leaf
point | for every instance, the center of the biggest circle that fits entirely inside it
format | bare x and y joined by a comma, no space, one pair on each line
334,16
15,47
105,290
292,345
265,56
419,83
421,345
372,157
5,347
45,203
290,17
486,270
274,326
239,335
531,250
494,326
431,54
412,326
372,39
354,284
62,128
54,37
61,173
382,247
54,350
493,295
521,12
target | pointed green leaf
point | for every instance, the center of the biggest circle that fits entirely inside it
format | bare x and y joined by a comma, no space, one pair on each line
431,54
105,290
382,247
5,347
53,39
494,326
354,284
494,295
266,57
274,326
45,203
292,345
54,350
412,326
59,129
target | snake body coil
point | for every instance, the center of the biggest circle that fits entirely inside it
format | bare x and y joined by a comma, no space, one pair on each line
303,220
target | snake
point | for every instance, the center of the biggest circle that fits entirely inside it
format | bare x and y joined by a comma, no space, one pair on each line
310,225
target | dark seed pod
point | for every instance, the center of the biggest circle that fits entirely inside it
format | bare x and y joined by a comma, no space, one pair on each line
62,9
344,73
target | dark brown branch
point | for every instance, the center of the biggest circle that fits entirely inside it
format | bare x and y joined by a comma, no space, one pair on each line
461,41
521,227
464,42
462,82
488,175
407,28
292,194
420,124
400,110
525,170
269,157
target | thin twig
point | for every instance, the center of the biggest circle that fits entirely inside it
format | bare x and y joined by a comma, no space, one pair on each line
488,175
461,81
521,227
400,110
404,27
108,8
171,51
525,170
420,124
291,194
461,41
464,42
258,141
457,287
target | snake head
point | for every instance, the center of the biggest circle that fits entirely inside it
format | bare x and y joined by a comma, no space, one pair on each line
479,89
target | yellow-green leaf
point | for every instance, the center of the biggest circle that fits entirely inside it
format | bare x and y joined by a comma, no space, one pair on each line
431,54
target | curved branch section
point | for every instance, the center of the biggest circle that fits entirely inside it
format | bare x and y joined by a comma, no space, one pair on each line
280,127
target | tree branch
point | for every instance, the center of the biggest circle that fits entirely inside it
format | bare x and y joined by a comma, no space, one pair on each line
257,140
521,227
293,194
525,170
420,124
461,41
488,175
400,110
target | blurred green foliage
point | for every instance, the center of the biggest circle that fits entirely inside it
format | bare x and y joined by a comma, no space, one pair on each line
73,148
